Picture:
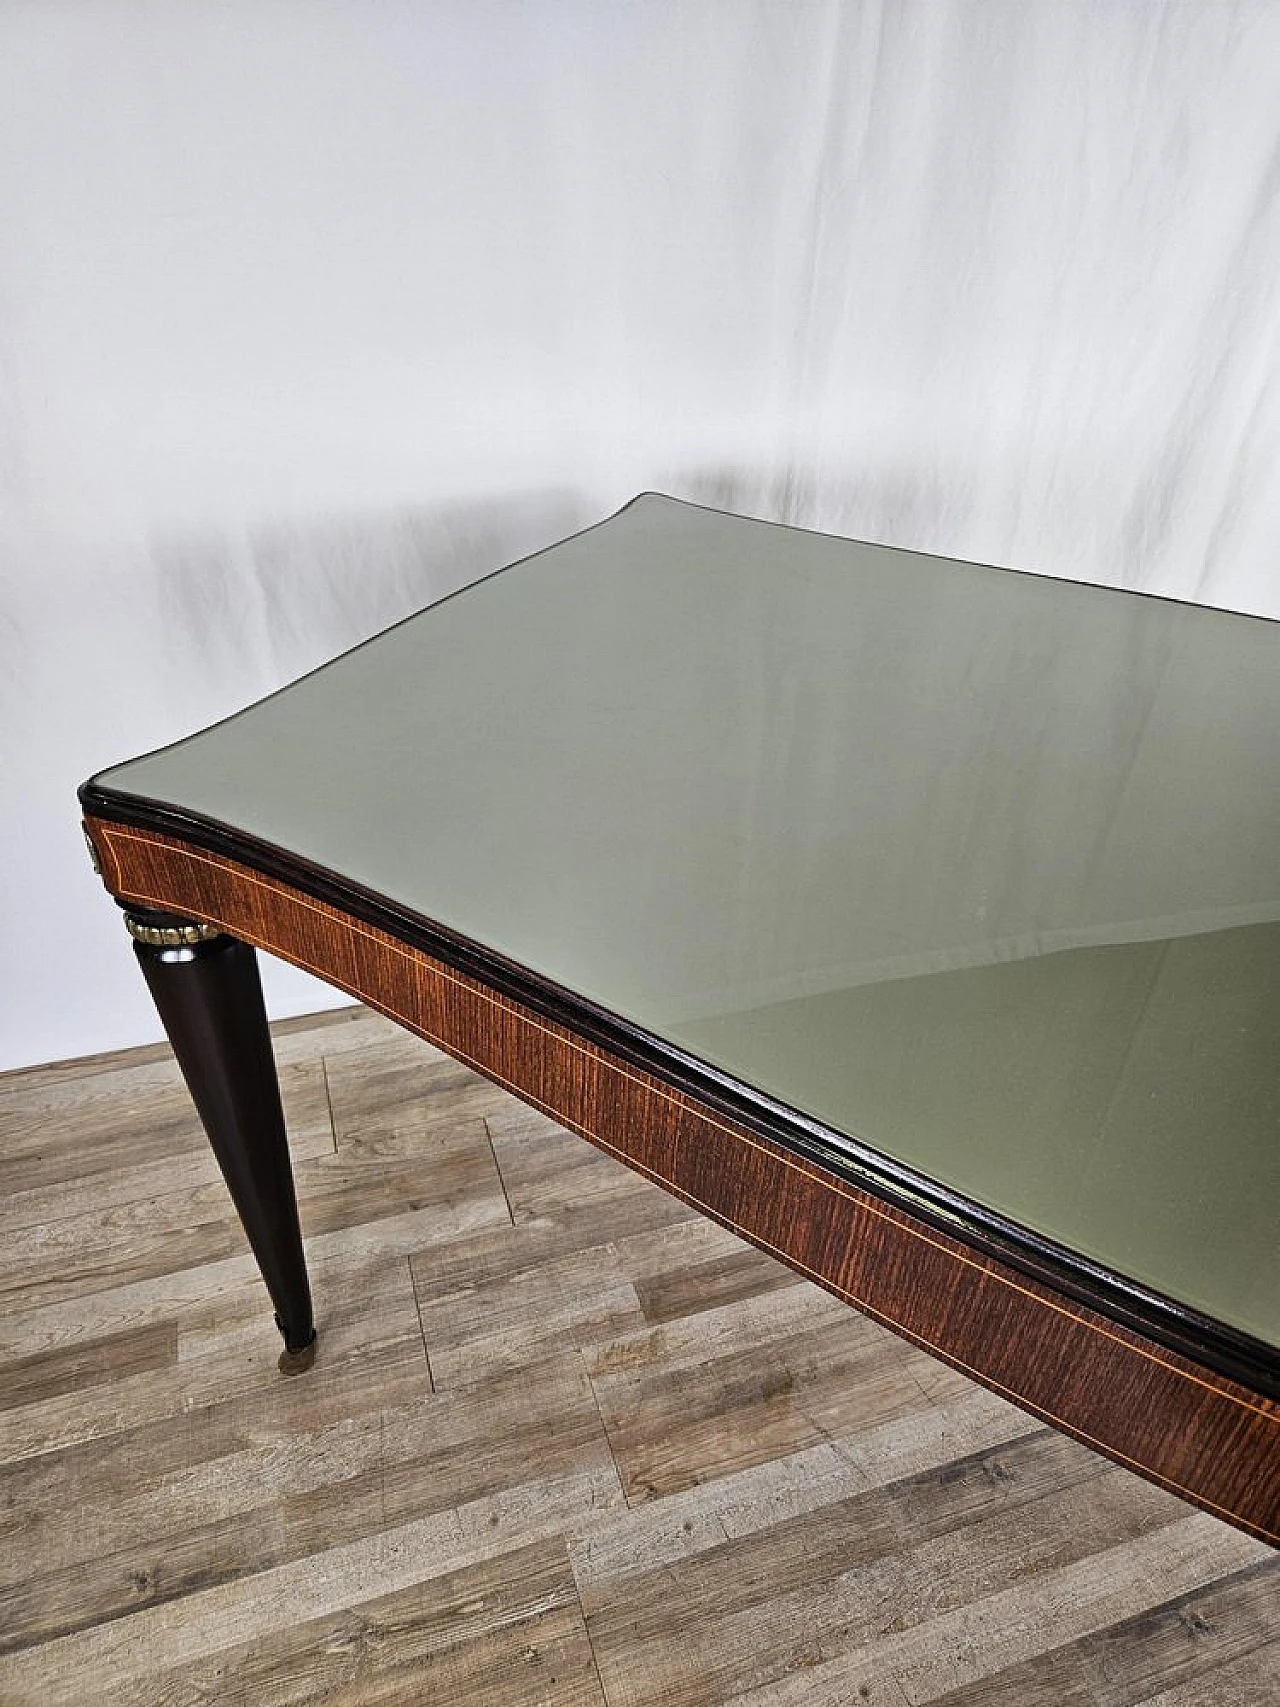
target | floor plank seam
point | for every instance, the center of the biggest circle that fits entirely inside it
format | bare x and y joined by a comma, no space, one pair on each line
328,1100
497,1165
417,1305
586,1631
604,1428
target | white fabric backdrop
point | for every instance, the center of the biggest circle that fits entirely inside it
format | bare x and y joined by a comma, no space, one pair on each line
310,312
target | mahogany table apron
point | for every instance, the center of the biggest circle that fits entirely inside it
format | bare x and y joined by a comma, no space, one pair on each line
1158,1382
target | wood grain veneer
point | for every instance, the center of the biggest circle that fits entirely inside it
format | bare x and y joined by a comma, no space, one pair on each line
1212,1440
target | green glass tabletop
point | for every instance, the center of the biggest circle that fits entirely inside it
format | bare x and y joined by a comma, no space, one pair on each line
980,868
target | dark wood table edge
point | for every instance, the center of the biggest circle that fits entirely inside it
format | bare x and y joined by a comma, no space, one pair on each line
1205,1340
1085,1351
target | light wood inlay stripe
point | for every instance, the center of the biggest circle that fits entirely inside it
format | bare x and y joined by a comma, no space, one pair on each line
1209,1440
421,963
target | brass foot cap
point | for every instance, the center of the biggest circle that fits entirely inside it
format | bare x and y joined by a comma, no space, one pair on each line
297,1362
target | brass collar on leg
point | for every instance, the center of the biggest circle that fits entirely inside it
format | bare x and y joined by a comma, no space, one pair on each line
169,936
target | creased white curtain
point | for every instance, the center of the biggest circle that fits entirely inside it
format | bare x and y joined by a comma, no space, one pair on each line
309,312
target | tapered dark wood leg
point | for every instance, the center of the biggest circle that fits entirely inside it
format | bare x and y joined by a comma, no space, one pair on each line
209,996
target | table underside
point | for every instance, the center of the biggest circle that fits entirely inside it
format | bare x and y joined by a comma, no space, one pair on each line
1176,1420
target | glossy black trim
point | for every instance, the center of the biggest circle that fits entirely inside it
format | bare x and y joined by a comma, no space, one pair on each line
1214,1345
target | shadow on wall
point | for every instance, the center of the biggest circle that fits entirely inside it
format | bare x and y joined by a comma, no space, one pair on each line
246,610
258,607
917,510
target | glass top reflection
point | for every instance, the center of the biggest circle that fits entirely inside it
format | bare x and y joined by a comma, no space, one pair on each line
978,867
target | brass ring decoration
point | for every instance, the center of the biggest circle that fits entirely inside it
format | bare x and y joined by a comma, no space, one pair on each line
169,936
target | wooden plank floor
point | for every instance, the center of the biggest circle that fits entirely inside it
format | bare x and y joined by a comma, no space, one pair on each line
564,1442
